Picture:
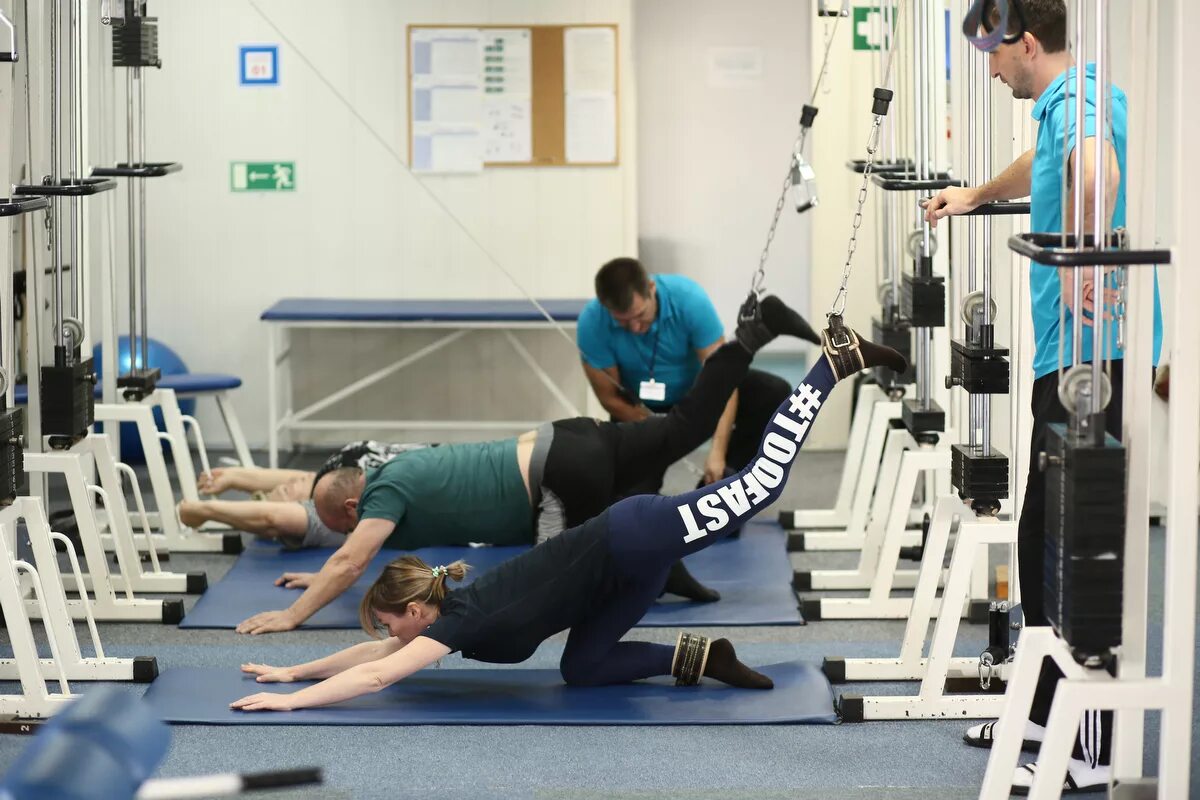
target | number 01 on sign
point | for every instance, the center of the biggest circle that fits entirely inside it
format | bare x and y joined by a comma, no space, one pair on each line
262,176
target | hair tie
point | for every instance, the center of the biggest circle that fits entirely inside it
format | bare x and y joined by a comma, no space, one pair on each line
437,572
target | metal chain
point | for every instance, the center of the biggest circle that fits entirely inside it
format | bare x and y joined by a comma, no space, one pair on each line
760,275
839,302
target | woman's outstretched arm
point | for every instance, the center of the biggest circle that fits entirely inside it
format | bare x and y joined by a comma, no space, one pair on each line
364,678
328,666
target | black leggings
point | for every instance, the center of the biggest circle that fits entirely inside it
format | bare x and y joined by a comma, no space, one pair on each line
592,463
649,533
1095,740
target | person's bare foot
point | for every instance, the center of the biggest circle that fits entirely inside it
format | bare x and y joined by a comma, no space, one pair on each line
190,514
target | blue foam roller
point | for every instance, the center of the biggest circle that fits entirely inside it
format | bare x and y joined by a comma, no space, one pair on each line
507,696
66,765
751,572
122,723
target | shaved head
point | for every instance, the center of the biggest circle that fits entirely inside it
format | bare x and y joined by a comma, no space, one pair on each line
336,497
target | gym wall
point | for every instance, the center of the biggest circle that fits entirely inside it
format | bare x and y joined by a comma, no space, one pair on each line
720,86
358,224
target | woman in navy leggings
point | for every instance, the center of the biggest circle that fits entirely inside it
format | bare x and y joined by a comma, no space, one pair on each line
596,579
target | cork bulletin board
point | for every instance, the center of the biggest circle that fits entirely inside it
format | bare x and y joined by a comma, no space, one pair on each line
512,96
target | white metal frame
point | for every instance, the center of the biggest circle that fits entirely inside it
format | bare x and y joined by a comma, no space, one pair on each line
46,583
974,536
131,571
232,426
35,700
875,524
866,491
909,462
279,377
174,535
110,602
858,466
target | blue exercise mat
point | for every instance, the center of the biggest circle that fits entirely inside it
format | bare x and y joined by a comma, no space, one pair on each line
192,695
752,573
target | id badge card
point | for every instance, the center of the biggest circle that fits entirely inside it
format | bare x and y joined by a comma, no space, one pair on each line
653,391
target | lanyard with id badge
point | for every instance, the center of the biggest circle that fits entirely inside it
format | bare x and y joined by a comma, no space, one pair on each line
652,390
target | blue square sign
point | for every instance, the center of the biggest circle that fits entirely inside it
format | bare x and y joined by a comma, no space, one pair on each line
258,64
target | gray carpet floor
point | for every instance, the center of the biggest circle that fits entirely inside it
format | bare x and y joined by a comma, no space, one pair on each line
894,760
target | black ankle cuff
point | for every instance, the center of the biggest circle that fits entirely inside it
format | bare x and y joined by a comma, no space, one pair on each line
691,656
840,345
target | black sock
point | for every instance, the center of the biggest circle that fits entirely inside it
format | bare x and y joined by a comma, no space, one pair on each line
786,321
760,321
681,582
879,355
723,665
752,332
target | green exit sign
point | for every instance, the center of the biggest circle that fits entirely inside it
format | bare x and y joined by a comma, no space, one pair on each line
868,30
262,176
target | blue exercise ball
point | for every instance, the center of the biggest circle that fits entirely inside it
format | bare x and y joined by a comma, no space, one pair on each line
158,354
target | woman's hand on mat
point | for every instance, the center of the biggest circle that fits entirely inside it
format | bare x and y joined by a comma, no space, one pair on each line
268,674
714,468
269,622
295,580
264,701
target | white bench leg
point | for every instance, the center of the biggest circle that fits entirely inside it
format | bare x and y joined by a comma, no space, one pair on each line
235,429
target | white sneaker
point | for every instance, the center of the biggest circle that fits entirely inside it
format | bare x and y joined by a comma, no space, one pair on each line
1082,778
983,735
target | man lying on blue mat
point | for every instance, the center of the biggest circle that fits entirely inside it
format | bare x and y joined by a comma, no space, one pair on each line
596,579
282,508
513,491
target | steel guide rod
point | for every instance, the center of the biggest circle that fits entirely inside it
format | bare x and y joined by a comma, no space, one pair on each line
1100,209
924,98
919,158
877,203
890,223
55,170
131,158
141,191
1078,185
985,400
78,126
72,148
971,82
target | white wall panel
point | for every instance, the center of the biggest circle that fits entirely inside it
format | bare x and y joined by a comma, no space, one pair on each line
359,225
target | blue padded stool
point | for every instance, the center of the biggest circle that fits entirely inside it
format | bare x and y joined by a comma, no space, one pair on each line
215,385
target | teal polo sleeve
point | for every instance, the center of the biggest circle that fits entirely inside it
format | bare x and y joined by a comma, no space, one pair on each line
703,324
382,499
593,335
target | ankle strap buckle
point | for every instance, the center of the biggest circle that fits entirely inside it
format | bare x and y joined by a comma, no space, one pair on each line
749,309
839,334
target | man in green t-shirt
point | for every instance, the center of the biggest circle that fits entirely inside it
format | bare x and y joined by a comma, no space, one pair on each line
522,490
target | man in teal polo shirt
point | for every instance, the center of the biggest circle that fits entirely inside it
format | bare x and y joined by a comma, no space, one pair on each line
1033,60
643,339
